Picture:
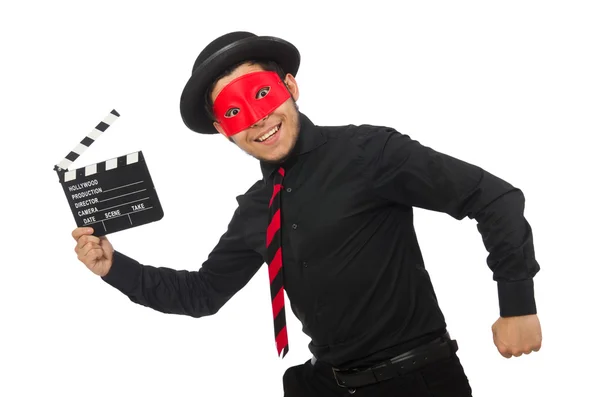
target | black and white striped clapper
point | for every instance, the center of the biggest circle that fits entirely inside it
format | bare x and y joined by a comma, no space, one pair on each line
112,195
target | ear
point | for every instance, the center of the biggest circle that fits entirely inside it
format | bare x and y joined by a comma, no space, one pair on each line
292,86
219,128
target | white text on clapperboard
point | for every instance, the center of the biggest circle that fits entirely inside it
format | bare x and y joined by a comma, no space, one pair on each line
93,200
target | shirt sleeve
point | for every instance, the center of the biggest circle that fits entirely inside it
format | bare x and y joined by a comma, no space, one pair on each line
409,173
228,268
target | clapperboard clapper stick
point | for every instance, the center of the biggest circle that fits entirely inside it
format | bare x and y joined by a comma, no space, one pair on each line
112,195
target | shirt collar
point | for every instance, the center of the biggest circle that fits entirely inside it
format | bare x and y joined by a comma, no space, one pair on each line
309,138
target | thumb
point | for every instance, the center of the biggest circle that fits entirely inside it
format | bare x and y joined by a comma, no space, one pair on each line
502,348
495,329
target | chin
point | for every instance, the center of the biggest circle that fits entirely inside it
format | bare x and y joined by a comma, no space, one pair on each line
276,160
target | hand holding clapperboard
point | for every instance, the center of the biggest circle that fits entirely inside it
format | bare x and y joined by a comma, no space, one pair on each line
112,195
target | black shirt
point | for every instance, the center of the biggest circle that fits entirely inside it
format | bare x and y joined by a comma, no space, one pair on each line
353,269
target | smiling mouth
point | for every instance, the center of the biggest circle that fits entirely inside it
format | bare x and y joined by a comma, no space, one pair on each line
269,134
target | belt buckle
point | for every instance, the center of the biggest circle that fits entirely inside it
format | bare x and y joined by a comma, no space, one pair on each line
351,390
334,370
341,383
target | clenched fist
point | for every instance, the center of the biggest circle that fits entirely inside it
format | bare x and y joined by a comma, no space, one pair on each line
514,336
95,252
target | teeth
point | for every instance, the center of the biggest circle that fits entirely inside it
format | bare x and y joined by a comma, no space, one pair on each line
268,134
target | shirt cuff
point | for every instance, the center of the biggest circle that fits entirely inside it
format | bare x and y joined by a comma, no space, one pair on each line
124,273
516,298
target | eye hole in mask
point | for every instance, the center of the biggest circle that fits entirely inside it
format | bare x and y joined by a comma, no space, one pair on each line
232,112
263,92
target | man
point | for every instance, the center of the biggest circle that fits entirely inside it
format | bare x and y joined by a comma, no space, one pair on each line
333,219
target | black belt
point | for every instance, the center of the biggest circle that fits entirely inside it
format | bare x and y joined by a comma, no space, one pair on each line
409,361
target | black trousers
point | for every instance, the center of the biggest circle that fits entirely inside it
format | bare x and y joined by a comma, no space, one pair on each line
443,378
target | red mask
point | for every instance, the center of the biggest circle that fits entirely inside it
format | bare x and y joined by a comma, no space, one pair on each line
248,99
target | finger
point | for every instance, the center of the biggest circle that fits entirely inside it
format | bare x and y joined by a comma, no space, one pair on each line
81,243
95,253
91,239
83,240
92,256
80,231
88,247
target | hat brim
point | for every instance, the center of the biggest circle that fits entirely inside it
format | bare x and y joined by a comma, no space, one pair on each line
191,104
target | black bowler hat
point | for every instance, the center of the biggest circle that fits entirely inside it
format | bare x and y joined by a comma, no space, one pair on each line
220,54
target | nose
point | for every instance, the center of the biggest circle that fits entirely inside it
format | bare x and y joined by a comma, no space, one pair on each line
261,121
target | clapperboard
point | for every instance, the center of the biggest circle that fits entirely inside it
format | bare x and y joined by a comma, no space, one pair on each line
112,195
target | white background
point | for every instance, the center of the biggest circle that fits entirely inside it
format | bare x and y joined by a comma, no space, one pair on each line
510,86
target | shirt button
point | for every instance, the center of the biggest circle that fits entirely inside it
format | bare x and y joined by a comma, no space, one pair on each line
294,226
305,264
289,189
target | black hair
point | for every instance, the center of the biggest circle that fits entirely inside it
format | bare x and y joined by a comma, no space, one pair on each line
267,65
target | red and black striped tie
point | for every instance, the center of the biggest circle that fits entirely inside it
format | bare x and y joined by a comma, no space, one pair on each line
276,264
